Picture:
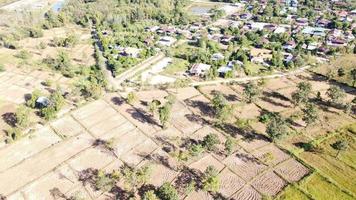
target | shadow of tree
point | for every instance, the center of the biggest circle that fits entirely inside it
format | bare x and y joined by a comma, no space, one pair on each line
118,101
203,107
196,119
247,158
9,118
187,176
142,116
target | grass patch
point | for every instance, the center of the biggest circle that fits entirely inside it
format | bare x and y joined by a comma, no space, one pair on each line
178,65
321,188
340,170
253,69
292,193
345,63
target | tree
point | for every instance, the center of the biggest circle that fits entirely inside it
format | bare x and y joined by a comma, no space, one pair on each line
348,108
302,94
251,92
336,94
103,181
164,115
352,74
22,117
150,195
340,145
210,141
167,192
230,145
310,114
211,182
134,178
222,110
277,127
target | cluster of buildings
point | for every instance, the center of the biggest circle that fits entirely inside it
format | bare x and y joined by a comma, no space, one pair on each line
323,32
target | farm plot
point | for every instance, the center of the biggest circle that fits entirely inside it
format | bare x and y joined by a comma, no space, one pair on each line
230,183
247,193
245,165
230,95
292,170
270,155
269,184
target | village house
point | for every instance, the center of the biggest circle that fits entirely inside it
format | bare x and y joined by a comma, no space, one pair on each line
131,52
199,69
217,57
301,21
315,31
166,41
290,45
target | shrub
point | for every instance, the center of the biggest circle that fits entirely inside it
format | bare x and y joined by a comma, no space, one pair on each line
103,181
2,68
48,113
22,117
210,180
210,141
34,96
230,145
167,192
150,195
23,54
131,98
35,32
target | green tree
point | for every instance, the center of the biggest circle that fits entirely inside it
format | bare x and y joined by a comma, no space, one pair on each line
352,74
134,178
310,114
210,181
230,145
167,192
210,141
222,109
251,92
340,145
164,115
302,94
150,195
103,181
336,94
277,127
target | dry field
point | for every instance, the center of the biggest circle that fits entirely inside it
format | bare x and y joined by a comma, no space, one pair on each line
61,153
21,77
64,150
